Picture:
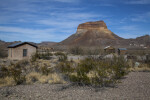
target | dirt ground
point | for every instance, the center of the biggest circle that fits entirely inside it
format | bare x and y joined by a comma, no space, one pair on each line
135,86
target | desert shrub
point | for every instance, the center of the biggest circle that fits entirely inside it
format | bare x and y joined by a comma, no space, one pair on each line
7,81
49,54
65,67
96,72
76,50
148,65
52,78
45,69
32,77
3,53
35,57
14,71
62,58
59,54
93,51
45,56
3,71
119,66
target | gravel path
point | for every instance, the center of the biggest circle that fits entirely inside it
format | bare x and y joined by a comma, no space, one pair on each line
135,86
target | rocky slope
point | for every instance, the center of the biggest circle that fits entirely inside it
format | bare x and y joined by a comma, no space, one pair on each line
46,44
4,49
97,34
92,34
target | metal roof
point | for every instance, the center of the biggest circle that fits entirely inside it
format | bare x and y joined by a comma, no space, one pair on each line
110,47
21,43
122,48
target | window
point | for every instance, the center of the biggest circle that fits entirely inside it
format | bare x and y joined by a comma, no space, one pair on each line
24,52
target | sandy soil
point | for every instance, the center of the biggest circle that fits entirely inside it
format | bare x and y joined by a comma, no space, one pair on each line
135,86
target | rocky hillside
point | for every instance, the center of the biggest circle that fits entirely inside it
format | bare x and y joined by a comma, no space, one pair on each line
4,49
92,34
46,44
97,34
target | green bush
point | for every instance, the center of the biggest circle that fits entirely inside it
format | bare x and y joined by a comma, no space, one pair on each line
119,67
59,54
3,71
76,50
104,72
45,70
63,58
35,57
65,67
14,71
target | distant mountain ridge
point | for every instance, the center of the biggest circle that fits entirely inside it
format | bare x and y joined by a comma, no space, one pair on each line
94,34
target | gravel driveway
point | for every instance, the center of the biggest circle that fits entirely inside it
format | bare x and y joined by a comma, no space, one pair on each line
135,86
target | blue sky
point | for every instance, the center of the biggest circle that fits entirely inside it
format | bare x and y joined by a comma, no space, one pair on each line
55,20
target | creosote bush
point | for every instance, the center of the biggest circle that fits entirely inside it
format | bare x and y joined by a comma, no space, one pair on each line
35,57
76,50
46,56
45,69
14,71
65,67
61,56
96,72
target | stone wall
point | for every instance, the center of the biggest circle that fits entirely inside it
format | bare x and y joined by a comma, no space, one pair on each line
17,53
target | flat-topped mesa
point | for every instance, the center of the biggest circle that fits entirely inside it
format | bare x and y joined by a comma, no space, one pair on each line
93,25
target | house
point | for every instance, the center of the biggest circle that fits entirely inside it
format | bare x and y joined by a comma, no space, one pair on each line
21,50
109,49
122,51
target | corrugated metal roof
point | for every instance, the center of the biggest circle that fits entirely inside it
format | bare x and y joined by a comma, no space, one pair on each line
109,47
13,45
122,48
21,43
106,47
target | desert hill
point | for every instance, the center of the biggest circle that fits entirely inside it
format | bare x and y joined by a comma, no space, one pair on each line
4,49
92,34
97,34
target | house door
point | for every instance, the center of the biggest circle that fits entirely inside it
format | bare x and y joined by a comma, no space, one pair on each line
24,52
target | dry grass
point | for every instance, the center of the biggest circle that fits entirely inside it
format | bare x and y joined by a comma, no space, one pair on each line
32,77
55,79
7,81
91,74
52,78
140,69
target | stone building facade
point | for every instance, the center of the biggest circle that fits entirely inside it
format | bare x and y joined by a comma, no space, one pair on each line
22,50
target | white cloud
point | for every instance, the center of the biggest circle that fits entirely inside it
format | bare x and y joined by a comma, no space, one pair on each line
128,28
67,1
28,32
138,1
141,17
36,35
69,20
